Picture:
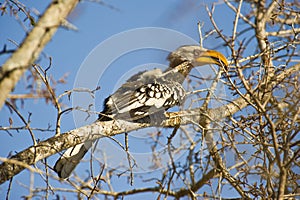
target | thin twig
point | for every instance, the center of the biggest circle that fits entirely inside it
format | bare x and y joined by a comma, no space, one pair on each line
27,124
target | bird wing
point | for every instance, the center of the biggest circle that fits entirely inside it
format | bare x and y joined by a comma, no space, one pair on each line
137,100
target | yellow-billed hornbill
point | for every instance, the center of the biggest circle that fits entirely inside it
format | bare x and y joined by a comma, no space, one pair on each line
146,94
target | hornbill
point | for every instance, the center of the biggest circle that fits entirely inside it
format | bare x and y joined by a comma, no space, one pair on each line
146,95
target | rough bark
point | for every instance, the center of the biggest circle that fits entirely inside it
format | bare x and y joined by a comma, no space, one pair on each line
32,46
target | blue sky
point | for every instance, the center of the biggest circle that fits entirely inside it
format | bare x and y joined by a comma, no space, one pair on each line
97,23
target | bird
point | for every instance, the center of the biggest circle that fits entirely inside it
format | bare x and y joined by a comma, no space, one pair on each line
145,96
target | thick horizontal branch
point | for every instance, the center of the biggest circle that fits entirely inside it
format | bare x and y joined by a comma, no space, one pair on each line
92,131
32,46
99,129
58,143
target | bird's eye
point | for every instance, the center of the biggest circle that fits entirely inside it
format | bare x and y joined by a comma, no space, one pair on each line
196,52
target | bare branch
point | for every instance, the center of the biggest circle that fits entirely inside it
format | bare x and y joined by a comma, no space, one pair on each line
29,50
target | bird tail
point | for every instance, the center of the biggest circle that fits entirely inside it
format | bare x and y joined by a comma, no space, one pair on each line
70,159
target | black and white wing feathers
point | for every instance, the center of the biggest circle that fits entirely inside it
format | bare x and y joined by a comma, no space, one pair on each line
143,95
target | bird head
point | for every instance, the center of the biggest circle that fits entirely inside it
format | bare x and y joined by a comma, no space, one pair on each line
197,56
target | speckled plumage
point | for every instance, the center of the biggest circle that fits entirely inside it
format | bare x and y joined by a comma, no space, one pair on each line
143,95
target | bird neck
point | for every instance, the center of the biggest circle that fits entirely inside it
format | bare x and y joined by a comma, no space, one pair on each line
179,72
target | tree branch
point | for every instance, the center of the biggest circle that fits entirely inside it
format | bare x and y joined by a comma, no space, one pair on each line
28,52
99,129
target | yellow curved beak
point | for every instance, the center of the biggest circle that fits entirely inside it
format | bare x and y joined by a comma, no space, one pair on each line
197,56
211,57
